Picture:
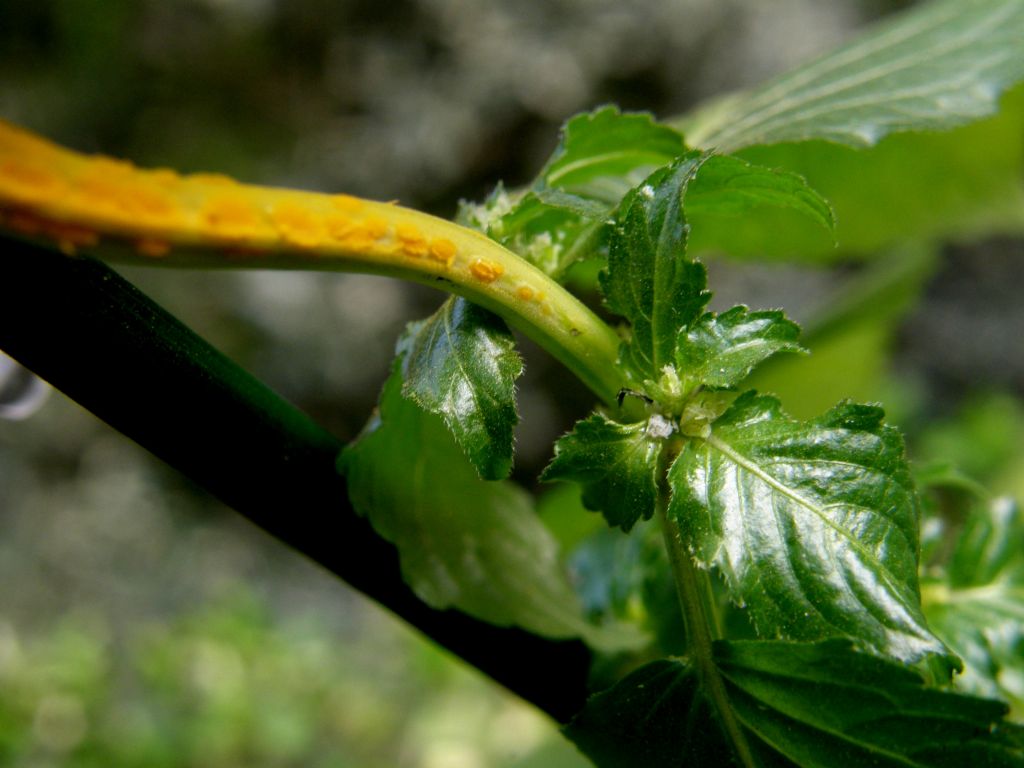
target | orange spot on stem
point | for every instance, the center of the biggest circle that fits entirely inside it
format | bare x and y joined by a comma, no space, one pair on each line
154,249
442,250
486,271
297,225
70,237
27,183
233,219
376,226
347,203
411,241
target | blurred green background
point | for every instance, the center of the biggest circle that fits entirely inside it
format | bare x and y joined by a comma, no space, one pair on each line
141,623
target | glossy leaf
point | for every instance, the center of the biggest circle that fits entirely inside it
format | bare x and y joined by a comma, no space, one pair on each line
651,235
561,218
650,280
617,465
978,605
937,66
463,543
814,706
721,350
813,524
461,364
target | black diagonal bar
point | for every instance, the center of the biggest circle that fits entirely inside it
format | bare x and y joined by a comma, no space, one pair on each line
98,339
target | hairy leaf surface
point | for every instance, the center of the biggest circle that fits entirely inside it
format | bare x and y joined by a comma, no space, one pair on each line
810,705
813,524
721,350
464,543
978,607
938,66
650,280
617,465
461,364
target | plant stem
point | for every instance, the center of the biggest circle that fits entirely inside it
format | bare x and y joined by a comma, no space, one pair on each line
118,212
702,629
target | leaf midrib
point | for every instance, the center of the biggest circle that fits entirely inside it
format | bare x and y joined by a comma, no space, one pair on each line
797,498
768,105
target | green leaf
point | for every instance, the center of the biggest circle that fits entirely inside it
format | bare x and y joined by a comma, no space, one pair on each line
463,543
461,364
815,706
604,154
731,194
649,280
721,350
617,465
628,577
558,221
977,606
548,228
813,524
654,717
651,236
962,182
937,66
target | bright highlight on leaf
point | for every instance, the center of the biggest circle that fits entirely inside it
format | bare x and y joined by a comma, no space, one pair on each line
461,364
813,524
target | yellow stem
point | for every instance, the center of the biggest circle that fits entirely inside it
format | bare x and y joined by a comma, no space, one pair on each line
119,212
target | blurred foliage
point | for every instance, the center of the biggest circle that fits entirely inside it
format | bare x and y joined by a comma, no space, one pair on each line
230,684
118,647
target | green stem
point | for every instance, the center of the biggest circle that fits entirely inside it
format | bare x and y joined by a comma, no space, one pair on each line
702,629
551,317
